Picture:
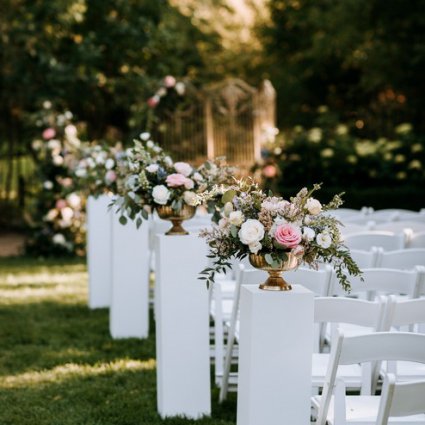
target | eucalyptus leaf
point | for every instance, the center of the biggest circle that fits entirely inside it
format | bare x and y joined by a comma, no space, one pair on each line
123,220
228,196
234,230
269,259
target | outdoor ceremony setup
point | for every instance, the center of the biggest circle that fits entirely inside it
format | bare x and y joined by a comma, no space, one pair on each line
212,213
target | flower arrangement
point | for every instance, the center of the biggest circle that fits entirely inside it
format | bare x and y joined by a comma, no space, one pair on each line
96,171
57,214
169,85
251,222
151,179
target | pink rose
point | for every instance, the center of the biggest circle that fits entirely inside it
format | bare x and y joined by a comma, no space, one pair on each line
176,179
169,81
269,171
298,251
188,184
60,204
110,176
49,133
288,235
153,101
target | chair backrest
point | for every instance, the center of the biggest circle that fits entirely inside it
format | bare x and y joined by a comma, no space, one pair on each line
350,310
404,312
347,228
400,399
417,240
365,259
402,258
400,226
317,281
381,281
342,213
366,240
373,347
392,214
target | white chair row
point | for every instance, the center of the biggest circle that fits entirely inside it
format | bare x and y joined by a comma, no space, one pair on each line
358,312
367,214
387,240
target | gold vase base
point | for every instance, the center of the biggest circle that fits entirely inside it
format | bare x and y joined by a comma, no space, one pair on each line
275,283
177,229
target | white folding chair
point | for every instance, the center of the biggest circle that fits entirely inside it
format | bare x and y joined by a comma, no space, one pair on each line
401,399
342,213
366,240
401,259
417,240
405,315
367,315
363,349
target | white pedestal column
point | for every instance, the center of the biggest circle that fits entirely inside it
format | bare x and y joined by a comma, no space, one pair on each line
182,327
275,352
99,251
129,314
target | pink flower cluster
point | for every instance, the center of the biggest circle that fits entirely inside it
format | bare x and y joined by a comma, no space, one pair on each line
177,179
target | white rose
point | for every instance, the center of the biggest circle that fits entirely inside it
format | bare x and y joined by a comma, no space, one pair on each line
68,115
74,200
157,149
313,206
324,240
109,164
71,131
100,158
161,194
152,168
183,168
255,247
150,144
57,160
228,208
48,185
190,198
51,215
37,144
54,144
91,163
198,177
59,239
251,232
67,213
189,184
47,104
180,88
145,136
168,161
80,172
308,233
236,218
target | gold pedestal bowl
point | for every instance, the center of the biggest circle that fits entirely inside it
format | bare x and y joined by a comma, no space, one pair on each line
167,213
275,281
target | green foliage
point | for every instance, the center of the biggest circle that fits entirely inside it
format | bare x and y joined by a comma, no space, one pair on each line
363,58
99,58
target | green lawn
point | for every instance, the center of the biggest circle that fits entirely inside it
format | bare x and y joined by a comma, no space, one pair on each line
58,364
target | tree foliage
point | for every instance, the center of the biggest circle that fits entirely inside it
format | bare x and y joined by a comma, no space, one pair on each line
364,58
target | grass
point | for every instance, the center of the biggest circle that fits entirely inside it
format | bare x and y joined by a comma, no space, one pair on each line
58,364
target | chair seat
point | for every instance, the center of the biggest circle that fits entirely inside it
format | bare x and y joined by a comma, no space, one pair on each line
352,374
407,371
364,410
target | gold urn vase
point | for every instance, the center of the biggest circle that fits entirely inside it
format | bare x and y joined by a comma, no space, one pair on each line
275,281
167,213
